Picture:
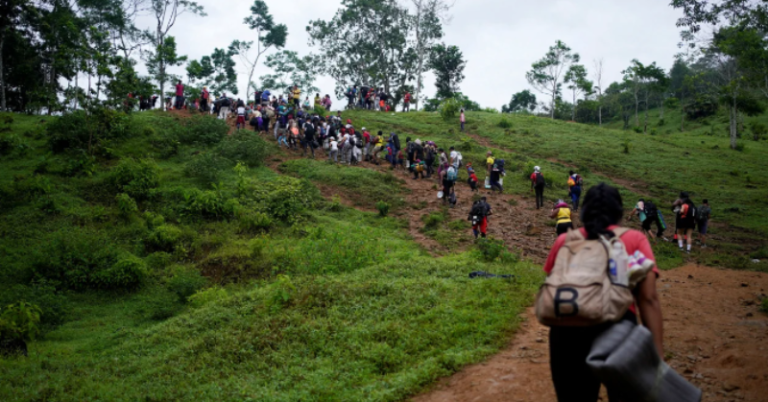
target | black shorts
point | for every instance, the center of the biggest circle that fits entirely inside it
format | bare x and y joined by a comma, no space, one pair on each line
563,227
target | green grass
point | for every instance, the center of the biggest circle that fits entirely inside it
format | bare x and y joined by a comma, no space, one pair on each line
657,167
299,299
365,186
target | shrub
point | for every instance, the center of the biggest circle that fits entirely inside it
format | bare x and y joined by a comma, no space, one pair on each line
208,204
504,123
335,204
432,220
126,205
87,131
764,305
137,178
167,145
163,238
660,122
71,258
203,130
247,147
459,224
13,144
638,130
185,282
702,106
205,296
128,272
383,208
158,305
207,167
759,130
18,322
626,145
80,164
449,108
280,292
287,199
53,305
253,222
740,146
490,249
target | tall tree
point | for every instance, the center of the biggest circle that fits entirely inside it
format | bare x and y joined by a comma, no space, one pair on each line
522,101
290,69
268,35
223,77
428,30
448,64
372,37
576,78
159,60
599,88
546,74
165,13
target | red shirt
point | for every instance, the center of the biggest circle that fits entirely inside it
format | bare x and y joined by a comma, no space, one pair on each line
179,90
473,176
533,179
632,239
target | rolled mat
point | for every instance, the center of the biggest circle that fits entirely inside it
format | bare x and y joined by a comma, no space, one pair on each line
625,359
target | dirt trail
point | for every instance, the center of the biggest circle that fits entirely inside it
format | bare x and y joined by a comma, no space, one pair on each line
714,335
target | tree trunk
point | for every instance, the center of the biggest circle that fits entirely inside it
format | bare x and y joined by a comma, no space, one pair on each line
645,124
420,66
637,109
552,108
733,131
600,116
682,119
2,75
573,111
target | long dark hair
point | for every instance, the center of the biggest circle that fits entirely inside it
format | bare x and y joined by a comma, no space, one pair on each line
602,208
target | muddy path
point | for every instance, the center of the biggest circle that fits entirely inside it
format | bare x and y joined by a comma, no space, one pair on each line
715,336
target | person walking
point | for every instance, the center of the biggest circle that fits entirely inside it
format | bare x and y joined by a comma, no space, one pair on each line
463,119
179,96
224,105
240,123
489,161
537,184
648,214
562,213
575,183
429,155
407,102
378,147
204,96
703,216
333,150
685,221
478,215
569,346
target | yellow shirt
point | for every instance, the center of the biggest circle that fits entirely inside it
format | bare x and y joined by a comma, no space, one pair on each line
297,93
380,143
490,160
563,215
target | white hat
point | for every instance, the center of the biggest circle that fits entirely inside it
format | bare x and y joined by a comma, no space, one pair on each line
536,169
363,128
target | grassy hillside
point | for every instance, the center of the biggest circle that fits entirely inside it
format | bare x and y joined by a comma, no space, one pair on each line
656,166
171,263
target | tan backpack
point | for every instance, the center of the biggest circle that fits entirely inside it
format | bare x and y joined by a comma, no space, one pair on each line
585,287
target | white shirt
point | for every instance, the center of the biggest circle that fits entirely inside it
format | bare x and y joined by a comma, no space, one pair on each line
454,156
334,145
241,111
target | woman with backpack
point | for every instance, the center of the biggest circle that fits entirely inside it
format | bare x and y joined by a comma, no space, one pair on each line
562,213
685,221
569,346
538,183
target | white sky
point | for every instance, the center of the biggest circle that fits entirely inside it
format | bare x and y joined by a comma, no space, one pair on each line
500,39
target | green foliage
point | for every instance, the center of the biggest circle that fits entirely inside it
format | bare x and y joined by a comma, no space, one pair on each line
383,208
459,224
504,123
287,199
203,131
81,130
448,64
764,305
432,220
136,178
449,108
701,106
208,204
280,293
81,164
81,260
210,295
489,249
207,167
163,238
20,321
13,145
638,130
54,305
335,204
247,147
185,282
759,130
626,145
253,222
126,205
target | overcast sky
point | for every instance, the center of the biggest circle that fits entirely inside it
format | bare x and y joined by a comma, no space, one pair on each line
500,39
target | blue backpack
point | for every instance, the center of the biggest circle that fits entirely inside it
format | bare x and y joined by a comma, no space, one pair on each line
451,174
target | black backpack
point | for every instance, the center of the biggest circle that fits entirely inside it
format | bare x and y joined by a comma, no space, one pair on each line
540,179
478,209
650,210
